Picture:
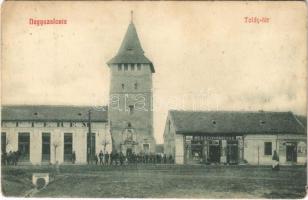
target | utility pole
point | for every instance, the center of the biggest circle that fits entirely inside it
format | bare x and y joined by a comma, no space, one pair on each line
90,136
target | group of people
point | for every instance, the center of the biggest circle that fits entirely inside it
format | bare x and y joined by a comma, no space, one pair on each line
115,158
10,158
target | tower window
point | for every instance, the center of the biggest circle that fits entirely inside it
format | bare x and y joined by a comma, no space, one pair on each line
119,67
131,109
122,85
169,126
136,86
138,66
132,67
125,67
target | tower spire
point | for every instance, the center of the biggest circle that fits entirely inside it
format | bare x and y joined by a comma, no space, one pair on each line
131,16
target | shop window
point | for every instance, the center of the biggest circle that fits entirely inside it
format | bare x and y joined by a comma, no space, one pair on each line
267,148
132,67
125,67
301,148
119,67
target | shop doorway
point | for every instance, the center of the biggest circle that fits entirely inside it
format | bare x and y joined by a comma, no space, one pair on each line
214,151
232,152
291,152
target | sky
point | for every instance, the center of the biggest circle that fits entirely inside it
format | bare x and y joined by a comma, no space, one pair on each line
205,56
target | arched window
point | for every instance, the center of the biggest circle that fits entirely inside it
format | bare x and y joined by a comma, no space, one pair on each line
131,109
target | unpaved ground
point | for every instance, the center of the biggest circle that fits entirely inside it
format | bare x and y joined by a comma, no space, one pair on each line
164,181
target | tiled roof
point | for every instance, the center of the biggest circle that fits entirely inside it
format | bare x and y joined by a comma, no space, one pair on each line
53,113
229,122
131,51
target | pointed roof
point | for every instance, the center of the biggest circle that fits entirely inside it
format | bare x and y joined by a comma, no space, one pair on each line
131,50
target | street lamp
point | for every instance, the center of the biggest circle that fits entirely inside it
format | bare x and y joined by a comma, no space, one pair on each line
90,136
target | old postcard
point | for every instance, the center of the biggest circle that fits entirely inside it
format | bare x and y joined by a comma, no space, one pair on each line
153,99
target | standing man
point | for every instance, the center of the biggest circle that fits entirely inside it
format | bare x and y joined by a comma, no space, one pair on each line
101,157
73,157
106,158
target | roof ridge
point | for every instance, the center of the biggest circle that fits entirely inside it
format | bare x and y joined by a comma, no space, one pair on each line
49,105
228,111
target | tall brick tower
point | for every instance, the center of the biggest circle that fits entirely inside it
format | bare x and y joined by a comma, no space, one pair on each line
130,106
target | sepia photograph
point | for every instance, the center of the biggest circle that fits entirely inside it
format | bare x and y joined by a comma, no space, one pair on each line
154,99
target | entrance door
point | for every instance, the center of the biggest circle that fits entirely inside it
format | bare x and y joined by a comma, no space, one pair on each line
214,153
146,148
129,152
291,152
24,146
232,152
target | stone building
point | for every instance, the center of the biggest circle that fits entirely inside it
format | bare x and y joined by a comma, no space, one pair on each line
49,134
235,137
130,107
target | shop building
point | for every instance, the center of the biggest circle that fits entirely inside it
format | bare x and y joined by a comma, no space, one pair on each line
193,137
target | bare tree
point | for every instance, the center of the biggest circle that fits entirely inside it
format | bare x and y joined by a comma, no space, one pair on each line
56,144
